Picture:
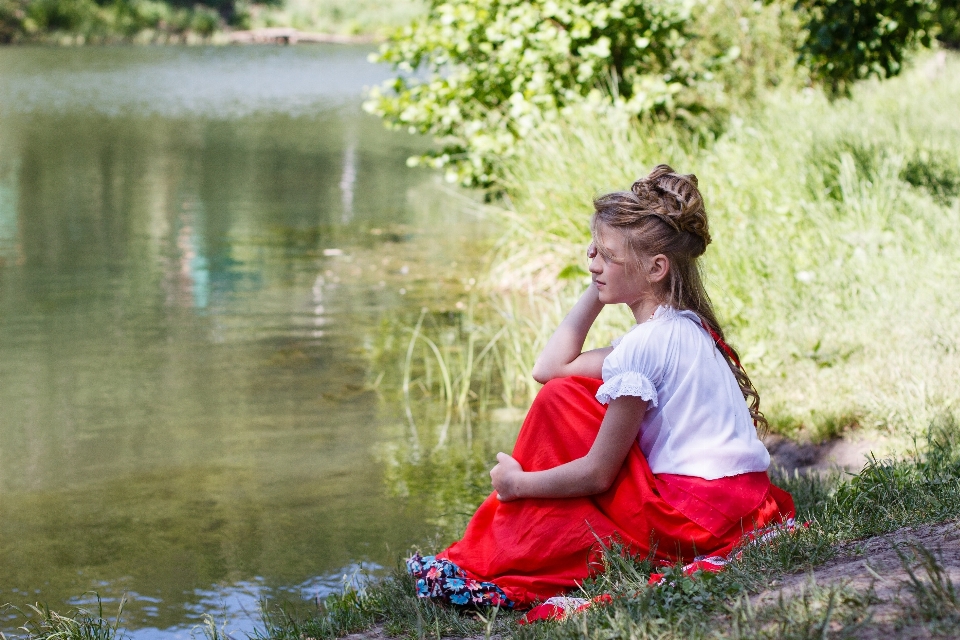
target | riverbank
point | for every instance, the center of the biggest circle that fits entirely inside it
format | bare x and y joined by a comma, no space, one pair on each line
877,555
834,267
834,270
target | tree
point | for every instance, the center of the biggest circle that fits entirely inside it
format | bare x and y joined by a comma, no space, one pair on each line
479,74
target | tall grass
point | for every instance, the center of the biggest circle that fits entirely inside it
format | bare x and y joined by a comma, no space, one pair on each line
41,623
835,266
835,260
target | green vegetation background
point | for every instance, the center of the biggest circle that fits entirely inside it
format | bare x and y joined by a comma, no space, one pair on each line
189,21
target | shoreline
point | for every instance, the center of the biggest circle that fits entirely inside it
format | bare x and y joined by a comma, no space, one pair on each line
261,36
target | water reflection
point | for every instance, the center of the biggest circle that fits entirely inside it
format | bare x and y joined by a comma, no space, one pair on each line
191,279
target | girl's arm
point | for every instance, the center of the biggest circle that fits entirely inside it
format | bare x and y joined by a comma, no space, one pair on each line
593,473
563,356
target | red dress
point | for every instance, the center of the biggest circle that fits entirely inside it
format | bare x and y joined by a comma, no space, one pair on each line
536,548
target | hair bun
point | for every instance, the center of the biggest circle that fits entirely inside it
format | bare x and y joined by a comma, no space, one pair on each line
675,199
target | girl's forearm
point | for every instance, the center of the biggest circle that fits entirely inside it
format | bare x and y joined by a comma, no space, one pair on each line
589,475
566,343
581,477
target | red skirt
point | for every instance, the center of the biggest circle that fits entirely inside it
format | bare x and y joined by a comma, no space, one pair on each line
536,548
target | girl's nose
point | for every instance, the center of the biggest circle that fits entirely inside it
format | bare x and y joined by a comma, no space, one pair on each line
594,255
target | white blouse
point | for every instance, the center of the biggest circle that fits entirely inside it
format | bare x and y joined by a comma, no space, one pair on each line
697,422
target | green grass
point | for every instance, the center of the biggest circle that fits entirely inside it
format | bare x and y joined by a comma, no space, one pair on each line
835,264
40,623
885,496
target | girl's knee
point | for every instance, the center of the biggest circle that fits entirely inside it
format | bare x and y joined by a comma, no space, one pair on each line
559,388
556,384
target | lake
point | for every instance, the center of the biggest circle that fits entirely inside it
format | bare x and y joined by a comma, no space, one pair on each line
201,253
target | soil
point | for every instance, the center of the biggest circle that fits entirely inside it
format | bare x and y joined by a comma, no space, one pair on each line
842,454
874,564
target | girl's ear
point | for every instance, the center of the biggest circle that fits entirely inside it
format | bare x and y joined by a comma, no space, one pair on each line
659,267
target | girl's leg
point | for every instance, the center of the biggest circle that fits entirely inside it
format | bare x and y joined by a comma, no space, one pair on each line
534,546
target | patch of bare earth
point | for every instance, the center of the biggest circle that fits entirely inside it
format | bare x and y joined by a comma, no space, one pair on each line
377,633
873,566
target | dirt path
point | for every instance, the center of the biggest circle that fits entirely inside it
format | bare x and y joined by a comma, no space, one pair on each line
875,564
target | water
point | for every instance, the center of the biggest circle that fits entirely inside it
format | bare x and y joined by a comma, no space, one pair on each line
199,249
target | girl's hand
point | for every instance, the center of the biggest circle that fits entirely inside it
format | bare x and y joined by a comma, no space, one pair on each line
506,477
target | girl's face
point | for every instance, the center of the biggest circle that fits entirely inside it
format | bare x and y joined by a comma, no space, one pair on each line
618,277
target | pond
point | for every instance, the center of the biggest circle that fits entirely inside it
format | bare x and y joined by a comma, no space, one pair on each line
200,250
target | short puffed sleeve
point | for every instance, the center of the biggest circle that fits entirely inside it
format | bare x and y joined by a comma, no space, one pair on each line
635,366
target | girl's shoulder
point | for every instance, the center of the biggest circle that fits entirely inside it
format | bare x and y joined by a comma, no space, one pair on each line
666,323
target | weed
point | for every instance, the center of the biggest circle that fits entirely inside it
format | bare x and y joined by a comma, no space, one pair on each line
815,612
935,599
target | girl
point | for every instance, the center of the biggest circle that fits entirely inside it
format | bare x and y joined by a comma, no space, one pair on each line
651,442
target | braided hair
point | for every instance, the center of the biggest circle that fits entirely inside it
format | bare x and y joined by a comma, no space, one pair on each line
663,213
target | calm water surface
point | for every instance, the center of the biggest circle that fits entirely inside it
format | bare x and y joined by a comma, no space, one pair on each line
198,247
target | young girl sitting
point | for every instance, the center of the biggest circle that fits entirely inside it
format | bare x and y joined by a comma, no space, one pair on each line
651,442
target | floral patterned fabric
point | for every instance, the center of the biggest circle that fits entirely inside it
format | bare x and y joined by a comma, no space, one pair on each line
443,580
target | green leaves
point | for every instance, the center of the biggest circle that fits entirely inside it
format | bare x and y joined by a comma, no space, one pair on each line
480,74
851,40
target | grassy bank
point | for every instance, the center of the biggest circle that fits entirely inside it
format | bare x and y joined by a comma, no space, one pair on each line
884,497
835,264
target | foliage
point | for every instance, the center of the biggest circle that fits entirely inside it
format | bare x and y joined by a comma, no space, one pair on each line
92,21
948,19
479,75
80,21
824,215
11,20
850,40
349,17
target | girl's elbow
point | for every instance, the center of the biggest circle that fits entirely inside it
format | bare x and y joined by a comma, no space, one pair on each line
599,482
541,374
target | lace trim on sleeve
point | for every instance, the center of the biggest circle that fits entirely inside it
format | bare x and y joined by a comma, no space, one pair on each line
628,383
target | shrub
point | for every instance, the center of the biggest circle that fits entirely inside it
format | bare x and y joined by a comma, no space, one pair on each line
479,74
849,40
948,19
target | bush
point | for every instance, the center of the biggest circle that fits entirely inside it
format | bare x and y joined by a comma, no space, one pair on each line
849,40
11,20
480,74
948,19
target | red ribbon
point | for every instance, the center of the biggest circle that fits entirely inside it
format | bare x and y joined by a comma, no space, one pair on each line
722,345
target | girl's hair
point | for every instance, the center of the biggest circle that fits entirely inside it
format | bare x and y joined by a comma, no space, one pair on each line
664,213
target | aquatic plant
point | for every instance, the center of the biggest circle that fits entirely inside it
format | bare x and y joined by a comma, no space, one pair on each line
42,623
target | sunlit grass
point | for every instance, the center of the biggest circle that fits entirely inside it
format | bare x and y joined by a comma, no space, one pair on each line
41,623
835,265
